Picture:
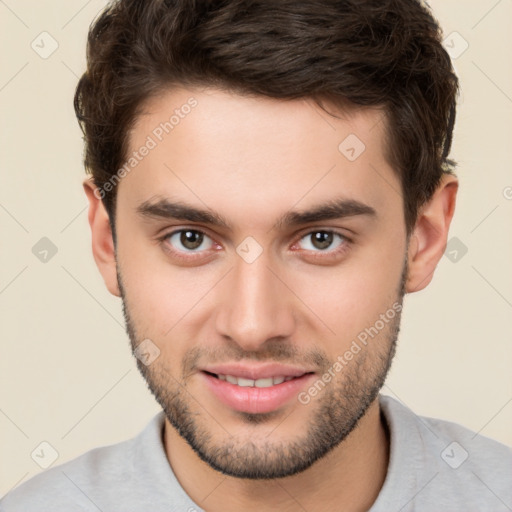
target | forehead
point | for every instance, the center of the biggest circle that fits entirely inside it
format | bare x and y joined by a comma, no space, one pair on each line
243,155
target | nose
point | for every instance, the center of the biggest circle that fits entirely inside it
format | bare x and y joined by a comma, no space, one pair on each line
256,306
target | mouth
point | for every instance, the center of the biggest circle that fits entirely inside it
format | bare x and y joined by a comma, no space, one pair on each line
243,382
256,390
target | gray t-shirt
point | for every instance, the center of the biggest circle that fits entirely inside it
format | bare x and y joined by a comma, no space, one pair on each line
435,466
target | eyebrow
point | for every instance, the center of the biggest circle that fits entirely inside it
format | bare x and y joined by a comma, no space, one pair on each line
333,209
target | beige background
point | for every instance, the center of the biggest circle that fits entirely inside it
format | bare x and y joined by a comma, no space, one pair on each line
66,373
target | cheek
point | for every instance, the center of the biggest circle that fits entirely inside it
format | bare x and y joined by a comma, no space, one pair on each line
352,296
161,299
167,303
152,295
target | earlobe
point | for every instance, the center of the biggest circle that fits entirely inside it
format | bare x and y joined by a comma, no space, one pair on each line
428,241
102,240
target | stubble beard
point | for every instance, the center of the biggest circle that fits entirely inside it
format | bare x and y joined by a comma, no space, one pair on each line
334,413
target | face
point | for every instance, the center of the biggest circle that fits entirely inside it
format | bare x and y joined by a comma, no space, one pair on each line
266,266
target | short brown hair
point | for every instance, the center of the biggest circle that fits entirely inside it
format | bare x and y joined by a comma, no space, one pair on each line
380,53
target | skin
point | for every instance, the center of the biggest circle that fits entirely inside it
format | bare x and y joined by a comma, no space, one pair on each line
252,160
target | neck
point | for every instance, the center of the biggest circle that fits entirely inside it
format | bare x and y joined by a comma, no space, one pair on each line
348,478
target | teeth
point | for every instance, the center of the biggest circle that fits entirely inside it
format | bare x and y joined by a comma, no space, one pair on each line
231,379
258,383
245,383
264,383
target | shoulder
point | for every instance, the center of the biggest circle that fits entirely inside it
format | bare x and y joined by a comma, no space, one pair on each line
71,482
457,441
84,482
444,464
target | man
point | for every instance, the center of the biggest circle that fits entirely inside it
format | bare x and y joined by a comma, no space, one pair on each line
268,180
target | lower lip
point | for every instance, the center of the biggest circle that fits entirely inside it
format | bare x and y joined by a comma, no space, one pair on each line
256,400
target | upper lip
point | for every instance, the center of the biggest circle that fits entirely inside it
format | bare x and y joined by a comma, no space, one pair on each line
256,371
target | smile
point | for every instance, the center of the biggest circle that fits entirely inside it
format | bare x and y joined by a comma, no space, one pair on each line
256,391
257,383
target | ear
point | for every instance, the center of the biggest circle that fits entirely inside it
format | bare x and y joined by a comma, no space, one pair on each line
102,239
429,238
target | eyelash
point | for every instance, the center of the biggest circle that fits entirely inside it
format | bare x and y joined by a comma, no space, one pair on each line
192,255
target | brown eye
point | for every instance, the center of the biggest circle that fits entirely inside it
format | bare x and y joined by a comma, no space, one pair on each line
187,240
322,240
